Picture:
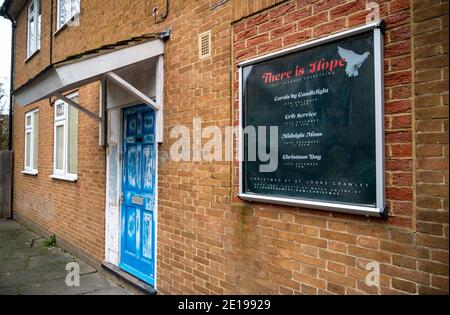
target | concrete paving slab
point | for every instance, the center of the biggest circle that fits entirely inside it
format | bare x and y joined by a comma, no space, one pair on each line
26,252
9,225
28,268
51,259
8,265
18,241
23,277
3,253
114,291
88,284
10,291
85,268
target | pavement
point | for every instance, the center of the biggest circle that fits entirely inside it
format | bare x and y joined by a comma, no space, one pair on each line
27,267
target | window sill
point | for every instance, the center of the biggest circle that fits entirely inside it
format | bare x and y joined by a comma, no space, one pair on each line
59,30
65,25
30,173
32,55
65,178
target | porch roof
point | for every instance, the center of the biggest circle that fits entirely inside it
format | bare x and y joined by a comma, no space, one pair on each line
89,66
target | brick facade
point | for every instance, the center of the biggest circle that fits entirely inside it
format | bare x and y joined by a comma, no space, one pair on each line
75,212
209,241
431,137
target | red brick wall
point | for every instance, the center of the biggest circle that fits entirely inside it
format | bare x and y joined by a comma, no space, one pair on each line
27,69
101,22
210,242
75,212
192,196
289,250
431,135
295,22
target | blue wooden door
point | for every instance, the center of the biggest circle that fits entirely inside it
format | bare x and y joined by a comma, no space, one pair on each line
138,188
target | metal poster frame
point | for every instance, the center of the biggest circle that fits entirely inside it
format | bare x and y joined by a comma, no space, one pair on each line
380,210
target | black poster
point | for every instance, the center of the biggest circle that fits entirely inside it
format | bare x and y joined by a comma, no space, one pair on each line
322,100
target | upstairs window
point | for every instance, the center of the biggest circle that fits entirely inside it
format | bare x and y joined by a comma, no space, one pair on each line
34,27
66,141
67,9
31,142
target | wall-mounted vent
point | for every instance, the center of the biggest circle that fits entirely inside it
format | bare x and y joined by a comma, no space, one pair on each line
204,42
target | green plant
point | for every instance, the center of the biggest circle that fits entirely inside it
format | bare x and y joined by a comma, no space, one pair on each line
50,241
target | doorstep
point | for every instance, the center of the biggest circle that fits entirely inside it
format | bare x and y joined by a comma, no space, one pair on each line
135,282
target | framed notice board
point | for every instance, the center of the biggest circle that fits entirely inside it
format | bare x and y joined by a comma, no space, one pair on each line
318,109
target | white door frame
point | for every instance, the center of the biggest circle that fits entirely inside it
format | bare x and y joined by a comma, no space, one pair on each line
115,258
115,119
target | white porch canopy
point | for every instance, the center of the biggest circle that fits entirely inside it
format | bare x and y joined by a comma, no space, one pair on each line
135,66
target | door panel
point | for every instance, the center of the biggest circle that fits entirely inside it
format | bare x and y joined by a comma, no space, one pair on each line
138,184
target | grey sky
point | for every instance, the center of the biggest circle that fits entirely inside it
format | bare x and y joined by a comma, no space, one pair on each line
5,45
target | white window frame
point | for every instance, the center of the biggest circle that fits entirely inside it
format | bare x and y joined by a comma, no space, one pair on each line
36,16
63,174
31,130
71,13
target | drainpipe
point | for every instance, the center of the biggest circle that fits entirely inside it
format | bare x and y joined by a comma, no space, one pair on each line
50,43
51,32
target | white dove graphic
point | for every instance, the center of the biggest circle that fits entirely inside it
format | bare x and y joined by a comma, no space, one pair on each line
354,61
